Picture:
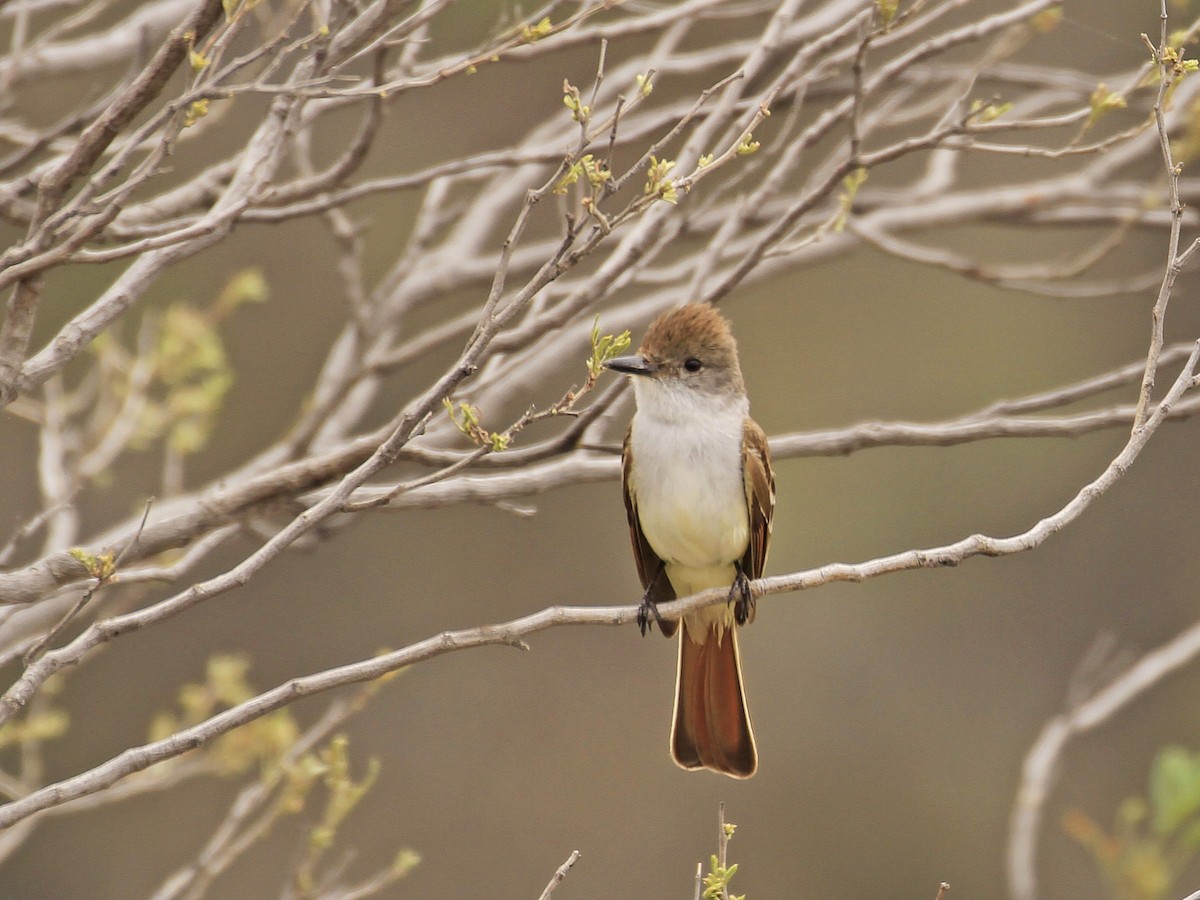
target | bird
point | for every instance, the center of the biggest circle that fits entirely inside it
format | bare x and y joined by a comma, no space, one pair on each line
700,497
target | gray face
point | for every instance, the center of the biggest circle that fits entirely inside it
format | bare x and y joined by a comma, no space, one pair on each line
697,370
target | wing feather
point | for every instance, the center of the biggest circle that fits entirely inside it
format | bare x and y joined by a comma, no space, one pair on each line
760,497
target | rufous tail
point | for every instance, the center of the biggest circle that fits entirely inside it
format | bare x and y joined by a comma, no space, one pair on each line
712,728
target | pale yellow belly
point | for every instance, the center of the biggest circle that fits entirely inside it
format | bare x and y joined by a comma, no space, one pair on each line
692,510
701,540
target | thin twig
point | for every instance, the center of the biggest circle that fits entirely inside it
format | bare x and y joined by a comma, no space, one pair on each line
39,648
560,874
1174,264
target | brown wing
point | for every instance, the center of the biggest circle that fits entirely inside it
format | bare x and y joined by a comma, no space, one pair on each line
650,567
760,497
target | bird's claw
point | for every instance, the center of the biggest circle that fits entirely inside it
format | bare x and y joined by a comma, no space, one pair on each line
742,598
648,609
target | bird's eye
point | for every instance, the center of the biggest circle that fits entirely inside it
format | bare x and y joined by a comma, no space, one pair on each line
693,365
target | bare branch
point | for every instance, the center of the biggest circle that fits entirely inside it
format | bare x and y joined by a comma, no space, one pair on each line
511,633
560,874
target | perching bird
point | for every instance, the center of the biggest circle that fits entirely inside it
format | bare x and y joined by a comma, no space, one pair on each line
700,494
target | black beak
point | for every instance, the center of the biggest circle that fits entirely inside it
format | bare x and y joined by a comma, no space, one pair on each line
631,365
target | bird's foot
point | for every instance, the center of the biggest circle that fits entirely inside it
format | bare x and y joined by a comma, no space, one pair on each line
742,598
647,615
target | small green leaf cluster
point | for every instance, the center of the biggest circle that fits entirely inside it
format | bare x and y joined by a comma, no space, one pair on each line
657,182
1103,101
102,567
533,33
587,168
604,348
1153,839
344,791
887,11
262,742
190,372
850,185
1175,794
330,768
269,742
1179,65
747,145
196,111
246,286
198,60
190,363
644,84
39,726
42,723
573,101
716,882
982,111
466,418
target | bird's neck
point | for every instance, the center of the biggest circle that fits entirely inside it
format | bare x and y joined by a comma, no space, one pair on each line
665,405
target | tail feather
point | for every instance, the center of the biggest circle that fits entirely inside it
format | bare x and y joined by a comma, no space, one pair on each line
711,728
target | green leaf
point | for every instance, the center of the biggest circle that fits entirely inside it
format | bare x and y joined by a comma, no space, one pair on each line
605,347
570,177
748,145
988,112
850,185
191,365
84,558
1103,101
532,33
41,726
99,567
247,286
887,10
1174,789
657,181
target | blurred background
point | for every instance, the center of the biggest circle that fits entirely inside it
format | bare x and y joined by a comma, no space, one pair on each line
892,716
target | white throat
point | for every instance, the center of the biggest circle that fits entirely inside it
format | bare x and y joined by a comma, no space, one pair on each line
679,404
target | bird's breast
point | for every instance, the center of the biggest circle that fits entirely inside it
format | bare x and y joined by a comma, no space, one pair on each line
691,497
